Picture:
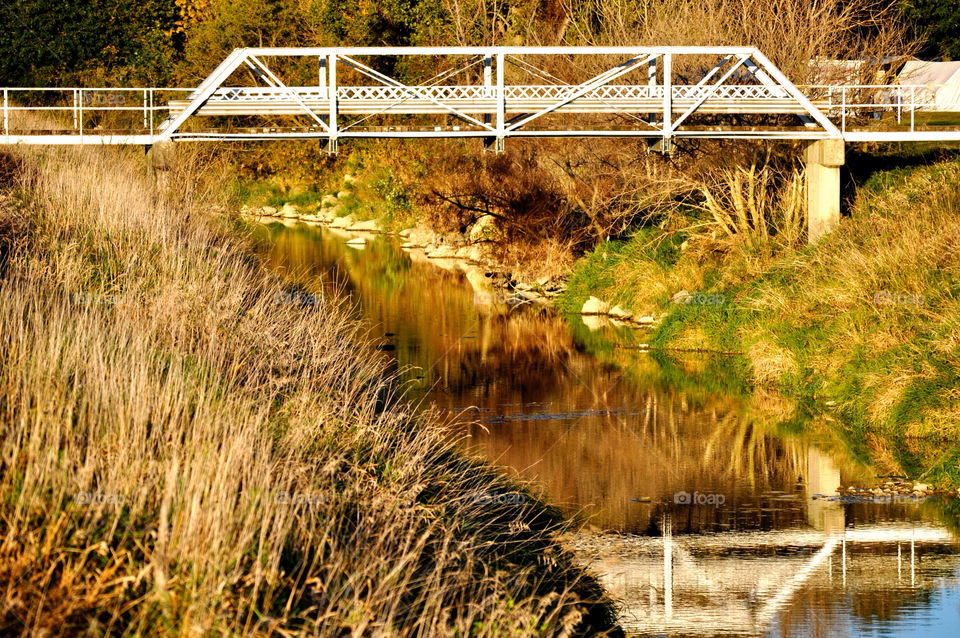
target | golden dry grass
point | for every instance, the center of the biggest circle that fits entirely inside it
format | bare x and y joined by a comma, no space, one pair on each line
182,454
757,206
769,363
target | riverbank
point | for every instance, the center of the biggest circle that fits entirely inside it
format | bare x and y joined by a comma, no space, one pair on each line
863,327
860,328
195,445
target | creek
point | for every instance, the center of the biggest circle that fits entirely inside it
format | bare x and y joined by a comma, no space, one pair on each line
700,510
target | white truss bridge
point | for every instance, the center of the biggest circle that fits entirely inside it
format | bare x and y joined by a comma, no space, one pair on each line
493,93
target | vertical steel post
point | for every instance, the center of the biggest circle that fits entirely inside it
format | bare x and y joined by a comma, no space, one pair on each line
667,566
913,553
322,75
487,82
151,112
652,83
145,108
667,100
843,550
332,89
6,116
80,111
843,110
75,122
488,92
487,73
501,103
899,561
913,105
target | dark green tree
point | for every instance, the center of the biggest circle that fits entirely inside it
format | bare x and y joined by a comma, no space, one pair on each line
45,42
937,23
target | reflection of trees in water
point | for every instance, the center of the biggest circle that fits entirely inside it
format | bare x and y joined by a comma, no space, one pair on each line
602,439
599,435
659,446
747,448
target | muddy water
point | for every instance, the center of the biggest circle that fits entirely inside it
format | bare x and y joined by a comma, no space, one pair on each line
701,505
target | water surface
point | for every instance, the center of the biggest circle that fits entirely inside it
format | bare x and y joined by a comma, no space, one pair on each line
654,452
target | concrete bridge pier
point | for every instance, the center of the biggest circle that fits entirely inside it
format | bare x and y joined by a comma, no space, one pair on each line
160,159
824,159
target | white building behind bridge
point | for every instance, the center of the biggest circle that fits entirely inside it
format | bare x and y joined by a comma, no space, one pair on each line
938,84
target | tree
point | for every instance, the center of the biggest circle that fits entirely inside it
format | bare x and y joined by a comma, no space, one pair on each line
47,42
937,23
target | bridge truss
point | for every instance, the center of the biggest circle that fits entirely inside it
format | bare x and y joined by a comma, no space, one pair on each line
330,94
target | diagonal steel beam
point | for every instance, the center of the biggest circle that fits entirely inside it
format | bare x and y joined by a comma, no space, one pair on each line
279,84
706,78
777,75
433,82
759,73
591,84
713,89
257,71
389,81
202,93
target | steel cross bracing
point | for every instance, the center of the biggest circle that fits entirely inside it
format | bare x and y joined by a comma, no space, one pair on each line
662,93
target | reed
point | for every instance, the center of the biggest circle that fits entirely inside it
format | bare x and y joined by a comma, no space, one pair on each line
188,449
757,205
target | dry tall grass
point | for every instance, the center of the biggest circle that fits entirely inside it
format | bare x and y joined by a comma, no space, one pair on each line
758,206
882,291
183,453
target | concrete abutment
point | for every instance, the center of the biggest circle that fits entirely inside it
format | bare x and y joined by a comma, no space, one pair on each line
160,159
824,159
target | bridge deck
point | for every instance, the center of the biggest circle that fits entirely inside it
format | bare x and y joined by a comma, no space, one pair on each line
482,100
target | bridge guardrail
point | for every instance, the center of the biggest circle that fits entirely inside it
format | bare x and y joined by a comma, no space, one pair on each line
856,100
81,102
840,102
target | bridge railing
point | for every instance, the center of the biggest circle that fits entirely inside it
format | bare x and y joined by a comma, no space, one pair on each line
855,105
511,92
86,110
850,106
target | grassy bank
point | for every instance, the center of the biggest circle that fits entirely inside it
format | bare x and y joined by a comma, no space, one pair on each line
865,325
192,446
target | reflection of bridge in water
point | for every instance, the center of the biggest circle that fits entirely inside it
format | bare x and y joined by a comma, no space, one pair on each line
742,582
